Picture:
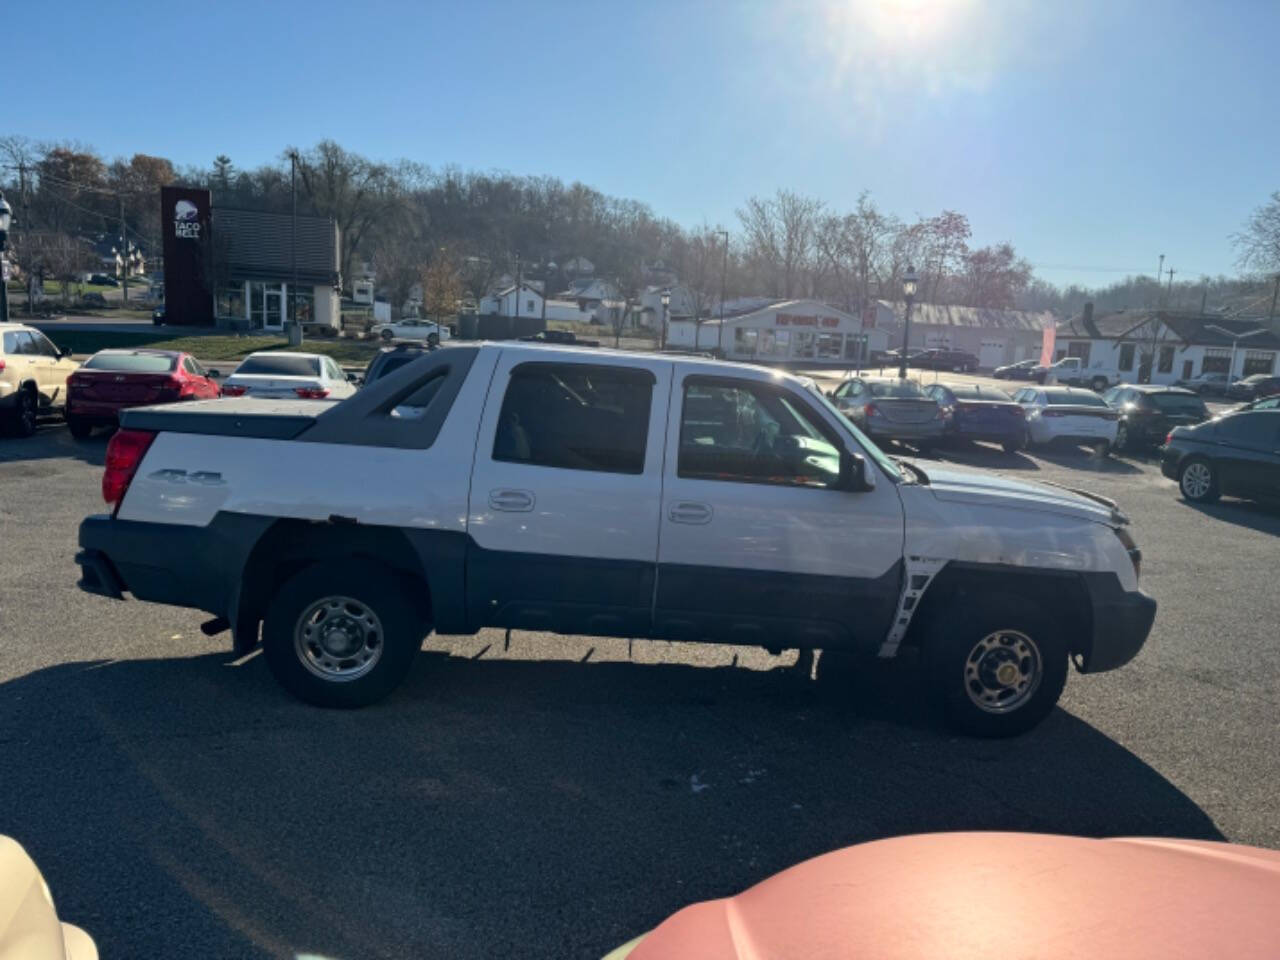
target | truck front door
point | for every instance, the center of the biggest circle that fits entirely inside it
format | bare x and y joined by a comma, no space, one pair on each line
563,514
758,545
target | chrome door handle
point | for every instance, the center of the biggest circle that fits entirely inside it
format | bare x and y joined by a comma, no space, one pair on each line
512,501
688,511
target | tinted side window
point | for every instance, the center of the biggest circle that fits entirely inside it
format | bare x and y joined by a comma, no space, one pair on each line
1248,429
10,342
752,433
189,365
25,346
575,417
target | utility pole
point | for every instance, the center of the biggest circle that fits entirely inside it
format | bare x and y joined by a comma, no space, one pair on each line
295,332
124,254
724,272
515,328
26,234
1168,297
1159,274
1274,294
1204,295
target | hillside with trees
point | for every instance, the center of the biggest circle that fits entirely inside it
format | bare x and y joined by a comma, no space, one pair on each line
404,218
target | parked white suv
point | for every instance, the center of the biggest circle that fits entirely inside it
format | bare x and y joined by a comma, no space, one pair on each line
33,377
607,493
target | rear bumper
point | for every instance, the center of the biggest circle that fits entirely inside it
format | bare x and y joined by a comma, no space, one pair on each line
1121,619
887,430
996,434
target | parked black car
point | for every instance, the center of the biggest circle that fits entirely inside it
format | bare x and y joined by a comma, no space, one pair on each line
1207,384
1237,455
158,316
103,280
957,361
1149,411
1255,387
1015,371
974,412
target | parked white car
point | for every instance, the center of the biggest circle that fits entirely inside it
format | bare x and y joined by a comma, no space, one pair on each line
576,491
411,328
277,375
1067,414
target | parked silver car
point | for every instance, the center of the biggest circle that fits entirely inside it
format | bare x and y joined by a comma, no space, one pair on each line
888,408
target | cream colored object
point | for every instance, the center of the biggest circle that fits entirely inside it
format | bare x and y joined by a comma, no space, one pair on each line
29,927
38,363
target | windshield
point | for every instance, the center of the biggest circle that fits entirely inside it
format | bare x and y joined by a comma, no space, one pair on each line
1176,403
1078,399
868,446
895,388
131,362
266,364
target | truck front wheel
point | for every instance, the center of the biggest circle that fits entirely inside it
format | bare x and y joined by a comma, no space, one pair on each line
997,669
341,637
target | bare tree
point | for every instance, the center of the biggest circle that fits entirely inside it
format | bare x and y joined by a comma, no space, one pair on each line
441,287
697,258
780,238
1258,244
993,276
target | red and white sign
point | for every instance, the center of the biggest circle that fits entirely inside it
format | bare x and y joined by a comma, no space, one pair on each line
1048,342
796,320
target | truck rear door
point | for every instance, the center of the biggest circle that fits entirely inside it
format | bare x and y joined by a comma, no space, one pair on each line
565,494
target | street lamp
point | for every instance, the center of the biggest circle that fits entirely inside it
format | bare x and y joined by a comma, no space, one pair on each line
909,284
724,273
6,215
662,334
1234,338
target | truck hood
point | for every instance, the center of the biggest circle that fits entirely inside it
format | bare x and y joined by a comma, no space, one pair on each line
994,489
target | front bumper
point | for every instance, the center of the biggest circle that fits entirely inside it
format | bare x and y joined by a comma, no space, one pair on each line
1121,620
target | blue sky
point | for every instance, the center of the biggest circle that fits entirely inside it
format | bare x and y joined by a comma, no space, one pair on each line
1093,135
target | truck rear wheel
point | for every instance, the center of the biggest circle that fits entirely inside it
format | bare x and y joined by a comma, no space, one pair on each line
997,669
341,637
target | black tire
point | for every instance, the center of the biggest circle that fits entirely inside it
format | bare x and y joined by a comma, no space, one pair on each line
433,340
387,335
1189,472
398,633
1014,446
1098,384
1122,437
22,420
80,429
1013,630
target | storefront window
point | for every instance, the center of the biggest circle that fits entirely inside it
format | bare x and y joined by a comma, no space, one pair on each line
266,305
805,345
855,347
1256,361
1126,356
229,302
1165,363
1215,361
829,345
305,303
744,342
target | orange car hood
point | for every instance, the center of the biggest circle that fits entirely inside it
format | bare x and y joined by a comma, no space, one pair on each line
975,896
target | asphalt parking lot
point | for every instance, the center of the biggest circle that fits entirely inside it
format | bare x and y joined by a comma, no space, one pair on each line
542,796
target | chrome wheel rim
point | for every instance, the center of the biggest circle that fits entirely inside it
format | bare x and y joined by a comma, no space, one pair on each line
338,639
1122,435
1196,480
27,413
1003,671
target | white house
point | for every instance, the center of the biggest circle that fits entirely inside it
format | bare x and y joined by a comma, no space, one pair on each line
648,310
796,332
995,337
1151,346
524,301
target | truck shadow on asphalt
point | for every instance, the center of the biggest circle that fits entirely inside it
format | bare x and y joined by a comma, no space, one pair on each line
1263,517
498,807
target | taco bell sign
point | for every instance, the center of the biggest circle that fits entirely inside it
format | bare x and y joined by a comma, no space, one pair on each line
188,271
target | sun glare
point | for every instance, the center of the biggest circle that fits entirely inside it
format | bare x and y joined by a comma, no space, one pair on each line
904,25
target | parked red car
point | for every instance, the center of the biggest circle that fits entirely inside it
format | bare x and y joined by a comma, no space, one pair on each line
112,380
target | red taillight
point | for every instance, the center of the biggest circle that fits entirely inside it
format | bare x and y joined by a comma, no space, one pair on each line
231,390
311,393
1,364
870,410
170,388
1168,438
124,452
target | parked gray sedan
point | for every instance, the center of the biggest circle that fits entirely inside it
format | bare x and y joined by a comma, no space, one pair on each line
887,408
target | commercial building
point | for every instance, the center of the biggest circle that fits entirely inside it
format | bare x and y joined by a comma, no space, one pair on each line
1164,346
236,268
791,333
995,337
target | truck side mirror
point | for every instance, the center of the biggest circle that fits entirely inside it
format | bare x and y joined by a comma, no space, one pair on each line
854,475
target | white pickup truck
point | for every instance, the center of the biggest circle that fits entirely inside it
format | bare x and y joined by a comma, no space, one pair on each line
605,493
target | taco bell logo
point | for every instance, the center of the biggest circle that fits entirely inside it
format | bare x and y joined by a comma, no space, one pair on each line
186,220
